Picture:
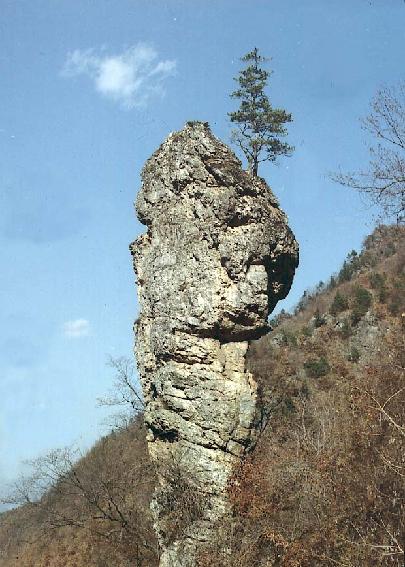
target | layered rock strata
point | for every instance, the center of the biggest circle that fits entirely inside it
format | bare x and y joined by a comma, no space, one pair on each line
216,258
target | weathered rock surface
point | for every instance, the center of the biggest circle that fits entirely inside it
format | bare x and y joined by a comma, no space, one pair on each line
216,258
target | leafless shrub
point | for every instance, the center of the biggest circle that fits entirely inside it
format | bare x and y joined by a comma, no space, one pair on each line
179,500
125,393
104,492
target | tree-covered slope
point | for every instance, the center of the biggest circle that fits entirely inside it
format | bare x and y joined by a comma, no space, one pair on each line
325,482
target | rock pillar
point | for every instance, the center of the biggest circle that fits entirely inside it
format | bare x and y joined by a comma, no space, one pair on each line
215,259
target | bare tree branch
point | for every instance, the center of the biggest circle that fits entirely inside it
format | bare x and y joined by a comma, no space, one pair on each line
383,182
125,393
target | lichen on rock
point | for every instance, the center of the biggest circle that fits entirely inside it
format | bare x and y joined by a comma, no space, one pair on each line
216,258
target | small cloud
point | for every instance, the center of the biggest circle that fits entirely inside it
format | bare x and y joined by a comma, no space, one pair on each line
77,328
129,78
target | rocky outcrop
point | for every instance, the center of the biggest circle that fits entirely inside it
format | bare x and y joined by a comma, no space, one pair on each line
216,258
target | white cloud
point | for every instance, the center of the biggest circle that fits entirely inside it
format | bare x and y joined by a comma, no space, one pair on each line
77,328
130,77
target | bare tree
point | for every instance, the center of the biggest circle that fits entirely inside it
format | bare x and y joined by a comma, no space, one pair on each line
383,183
104,492
125,393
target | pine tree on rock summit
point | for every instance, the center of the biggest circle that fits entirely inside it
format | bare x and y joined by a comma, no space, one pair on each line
259,125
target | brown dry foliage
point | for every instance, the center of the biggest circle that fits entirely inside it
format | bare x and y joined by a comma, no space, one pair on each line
96,515
325,483
179,501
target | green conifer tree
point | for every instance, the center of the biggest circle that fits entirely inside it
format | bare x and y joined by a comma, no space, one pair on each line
259,125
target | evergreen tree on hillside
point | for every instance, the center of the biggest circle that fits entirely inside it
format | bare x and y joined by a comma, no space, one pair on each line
259,125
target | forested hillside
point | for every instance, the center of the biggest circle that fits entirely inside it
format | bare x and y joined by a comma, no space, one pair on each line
96,513
324,484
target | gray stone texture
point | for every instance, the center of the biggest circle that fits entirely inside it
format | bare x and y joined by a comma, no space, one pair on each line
216,258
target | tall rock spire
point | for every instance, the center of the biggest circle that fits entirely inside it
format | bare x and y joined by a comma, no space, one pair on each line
217,256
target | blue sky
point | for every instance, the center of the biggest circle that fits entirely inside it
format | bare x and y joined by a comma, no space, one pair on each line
89,90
